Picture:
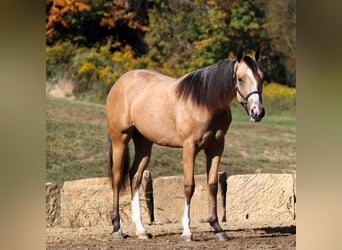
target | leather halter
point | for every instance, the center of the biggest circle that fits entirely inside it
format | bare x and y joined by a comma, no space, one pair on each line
245,98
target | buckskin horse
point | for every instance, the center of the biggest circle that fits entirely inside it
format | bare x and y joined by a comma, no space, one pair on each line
191,112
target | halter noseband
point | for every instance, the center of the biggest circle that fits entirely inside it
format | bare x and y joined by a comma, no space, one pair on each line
245,98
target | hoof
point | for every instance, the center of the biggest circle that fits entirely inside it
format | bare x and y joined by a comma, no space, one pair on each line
186,238
144,236
117,235
221,236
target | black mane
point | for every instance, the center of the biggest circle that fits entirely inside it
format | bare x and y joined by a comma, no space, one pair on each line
209,86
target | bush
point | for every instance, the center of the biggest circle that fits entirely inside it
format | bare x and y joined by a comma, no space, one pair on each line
95,70
279,99
59,61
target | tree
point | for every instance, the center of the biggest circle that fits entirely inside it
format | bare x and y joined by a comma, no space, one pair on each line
91,22
281,32
186,35
246,26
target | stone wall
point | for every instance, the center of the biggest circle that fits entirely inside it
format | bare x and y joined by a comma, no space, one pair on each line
258,198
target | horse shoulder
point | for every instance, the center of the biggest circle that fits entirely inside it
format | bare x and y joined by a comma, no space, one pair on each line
202,126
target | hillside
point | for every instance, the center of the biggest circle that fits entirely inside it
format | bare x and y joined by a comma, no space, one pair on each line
77,146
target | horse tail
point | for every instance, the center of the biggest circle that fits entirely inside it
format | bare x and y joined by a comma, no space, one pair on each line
125,171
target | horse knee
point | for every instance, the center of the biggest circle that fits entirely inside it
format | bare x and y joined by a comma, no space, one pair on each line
189,190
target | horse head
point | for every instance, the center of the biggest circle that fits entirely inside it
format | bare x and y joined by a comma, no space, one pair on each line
248,85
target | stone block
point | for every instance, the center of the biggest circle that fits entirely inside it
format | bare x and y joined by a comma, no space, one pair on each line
89,202
261,199
52,204
169,199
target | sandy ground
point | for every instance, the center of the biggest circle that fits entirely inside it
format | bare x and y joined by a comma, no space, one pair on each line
168,236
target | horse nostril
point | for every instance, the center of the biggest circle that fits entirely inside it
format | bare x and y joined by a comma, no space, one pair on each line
253,113
257,113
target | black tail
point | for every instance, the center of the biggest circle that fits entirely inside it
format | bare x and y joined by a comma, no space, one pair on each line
125,171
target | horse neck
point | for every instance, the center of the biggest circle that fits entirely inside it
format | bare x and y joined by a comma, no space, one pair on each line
224,102
232,93
211,87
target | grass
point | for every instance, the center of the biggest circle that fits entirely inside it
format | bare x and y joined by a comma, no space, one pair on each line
77,145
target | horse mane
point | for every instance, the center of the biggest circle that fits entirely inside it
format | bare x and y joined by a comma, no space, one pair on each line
211,86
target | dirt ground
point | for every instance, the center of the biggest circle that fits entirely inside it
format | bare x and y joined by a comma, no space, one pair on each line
168,236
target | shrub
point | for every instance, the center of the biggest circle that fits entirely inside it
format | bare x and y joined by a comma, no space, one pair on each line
279,99
98,69
95,70
59,61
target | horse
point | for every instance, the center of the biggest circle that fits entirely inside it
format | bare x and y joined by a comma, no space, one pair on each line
192,113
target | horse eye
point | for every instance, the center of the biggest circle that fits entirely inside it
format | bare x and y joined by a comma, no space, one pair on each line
240,79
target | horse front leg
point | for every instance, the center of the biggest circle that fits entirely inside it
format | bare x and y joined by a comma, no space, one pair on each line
189,187
213,160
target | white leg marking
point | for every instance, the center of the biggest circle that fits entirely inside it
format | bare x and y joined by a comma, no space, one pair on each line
136,215
186,220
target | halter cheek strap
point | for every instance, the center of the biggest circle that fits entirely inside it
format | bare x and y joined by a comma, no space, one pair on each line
245,98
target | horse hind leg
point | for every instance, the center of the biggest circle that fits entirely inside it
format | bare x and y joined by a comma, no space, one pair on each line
118,172
142,156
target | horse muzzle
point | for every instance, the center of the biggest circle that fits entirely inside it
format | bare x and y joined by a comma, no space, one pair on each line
256,112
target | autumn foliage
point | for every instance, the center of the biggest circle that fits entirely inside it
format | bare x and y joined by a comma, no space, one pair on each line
93,42
57,11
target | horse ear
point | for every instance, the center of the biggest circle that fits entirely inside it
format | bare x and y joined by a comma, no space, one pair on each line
240,55
257,55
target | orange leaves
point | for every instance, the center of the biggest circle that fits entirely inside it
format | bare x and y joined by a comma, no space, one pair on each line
118,11
82,6
58,8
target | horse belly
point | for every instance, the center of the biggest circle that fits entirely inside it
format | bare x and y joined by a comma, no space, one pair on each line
155,121
158,130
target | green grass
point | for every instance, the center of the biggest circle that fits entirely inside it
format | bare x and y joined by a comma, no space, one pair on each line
77,145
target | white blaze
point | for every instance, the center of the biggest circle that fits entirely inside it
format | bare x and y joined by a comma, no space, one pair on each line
254,97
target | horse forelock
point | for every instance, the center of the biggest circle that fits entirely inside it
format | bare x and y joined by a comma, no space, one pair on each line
252,64
210,86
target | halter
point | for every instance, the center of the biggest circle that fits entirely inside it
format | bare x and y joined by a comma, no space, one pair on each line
245,98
